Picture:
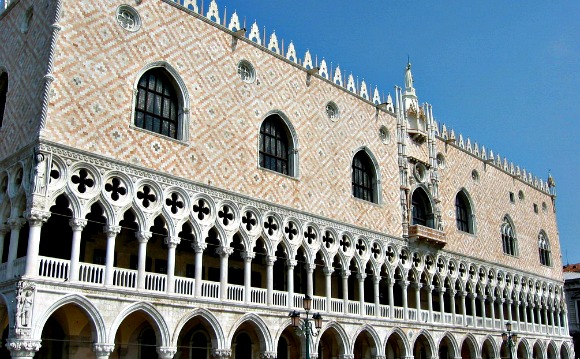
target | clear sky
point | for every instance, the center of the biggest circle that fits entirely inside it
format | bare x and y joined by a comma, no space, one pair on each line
504,73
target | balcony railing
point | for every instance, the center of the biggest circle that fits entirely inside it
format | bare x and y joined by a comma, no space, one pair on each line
422,233
94,274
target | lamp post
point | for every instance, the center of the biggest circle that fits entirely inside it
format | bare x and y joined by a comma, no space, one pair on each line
509,338
306,327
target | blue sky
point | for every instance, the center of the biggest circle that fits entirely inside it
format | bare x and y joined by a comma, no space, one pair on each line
504,73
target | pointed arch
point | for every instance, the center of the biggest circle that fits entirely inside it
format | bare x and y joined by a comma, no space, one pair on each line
453,341
217,334
366,175
174,122
3,93
158,322
379,346
96,321
278,144
401,337
544,249
465,212
341,334
493,343
258,323
422,207
424,333
508,236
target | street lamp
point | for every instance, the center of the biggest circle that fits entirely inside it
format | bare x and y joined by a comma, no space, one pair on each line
306,327
509,338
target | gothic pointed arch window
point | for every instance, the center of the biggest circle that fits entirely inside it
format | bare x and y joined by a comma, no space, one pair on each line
544,249
276,148
421,211
158,107
463,213
364,179
3,92
508,237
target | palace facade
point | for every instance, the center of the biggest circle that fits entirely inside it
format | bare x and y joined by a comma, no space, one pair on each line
172,185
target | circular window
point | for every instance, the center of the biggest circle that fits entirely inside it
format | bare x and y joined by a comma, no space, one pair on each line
521,195
420,172
332,111
475,175
128,18
246,71
385,135
440,160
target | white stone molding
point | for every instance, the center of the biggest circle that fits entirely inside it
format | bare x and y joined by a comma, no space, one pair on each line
22,348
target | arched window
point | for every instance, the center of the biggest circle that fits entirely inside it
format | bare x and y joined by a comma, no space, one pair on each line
364,182
3,91
276,146
421,209
157,104
544,249
508,237
463,213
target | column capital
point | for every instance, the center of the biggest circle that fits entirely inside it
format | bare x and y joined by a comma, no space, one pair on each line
291,263
346,356
223,251
199,247
328,270
22,347
379,357
268,355
77,224
441,290
430,287
112,230
36,218
270,260
143,236
248,256
361,276
346,273
472,295
482,297
172,242
4,228
166,352
404,283
463,293
310,267
376,279
417,286
221,353
103,349
15,223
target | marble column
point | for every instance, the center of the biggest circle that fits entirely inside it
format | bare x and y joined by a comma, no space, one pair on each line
391,299
35,221
171,243
442,303
224,253
166,352
452,293
482,299
15,225
290,264
142,237
270,279
345,275
77,226
430,302
248,257
310,267
198,248
473,311
404,285
492,314
463,294
361,292
418,300
376,291
328,286
111,232
501,314
3,230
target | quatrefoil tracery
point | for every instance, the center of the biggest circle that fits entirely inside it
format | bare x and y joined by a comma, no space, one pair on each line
201,208
174,203
249,220
310,235
147,196
226,214
291,230
83,180
115,188
270,225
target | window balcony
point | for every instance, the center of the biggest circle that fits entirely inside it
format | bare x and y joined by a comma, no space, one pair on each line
430,235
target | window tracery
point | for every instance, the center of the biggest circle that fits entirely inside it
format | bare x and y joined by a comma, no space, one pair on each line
508,238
